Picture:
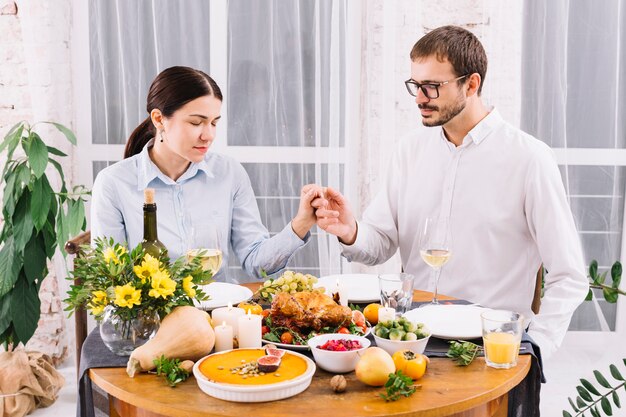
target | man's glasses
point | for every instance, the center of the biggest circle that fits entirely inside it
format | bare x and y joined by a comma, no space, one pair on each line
430,90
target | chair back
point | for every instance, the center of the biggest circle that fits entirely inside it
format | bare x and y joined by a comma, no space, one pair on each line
73,247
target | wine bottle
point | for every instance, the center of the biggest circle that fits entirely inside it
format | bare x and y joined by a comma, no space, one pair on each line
151,243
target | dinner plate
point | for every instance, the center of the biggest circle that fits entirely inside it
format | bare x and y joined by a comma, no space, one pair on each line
449,321
223,293
360,288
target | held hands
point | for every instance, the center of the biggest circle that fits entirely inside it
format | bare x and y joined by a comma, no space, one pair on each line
305,218
334,215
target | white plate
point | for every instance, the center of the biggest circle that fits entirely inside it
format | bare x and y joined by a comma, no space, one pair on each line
223,293
255,393
449,321
360,288
303,347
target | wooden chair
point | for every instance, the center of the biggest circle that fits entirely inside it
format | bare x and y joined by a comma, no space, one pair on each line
72,247
536,304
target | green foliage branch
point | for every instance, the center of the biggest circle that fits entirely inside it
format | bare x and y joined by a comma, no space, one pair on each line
589,396
37,220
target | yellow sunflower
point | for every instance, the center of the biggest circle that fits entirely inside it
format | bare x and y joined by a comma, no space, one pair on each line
162,285
127,296
188,286
148,267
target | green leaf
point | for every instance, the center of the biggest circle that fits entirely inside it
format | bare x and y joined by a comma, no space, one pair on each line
50,239
12,139
22,222
616,274
589,386
601,380
566,414
615,373
571,402
594,412
580,402
584,393
25,306
606,406
616,399
5,317
68,133
35,268
602,278
593,269
55,151
40,201
60,170
610,295
61,228
589,296
37,155
76,216
9,266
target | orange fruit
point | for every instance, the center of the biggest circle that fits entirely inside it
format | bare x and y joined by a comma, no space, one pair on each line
371,313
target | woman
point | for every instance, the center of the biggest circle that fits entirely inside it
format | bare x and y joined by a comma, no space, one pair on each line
196,190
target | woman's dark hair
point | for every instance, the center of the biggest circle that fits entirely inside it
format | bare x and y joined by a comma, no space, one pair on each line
170,90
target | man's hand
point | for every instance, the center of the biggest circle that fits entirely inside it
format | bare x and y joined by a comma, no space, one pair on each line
334,216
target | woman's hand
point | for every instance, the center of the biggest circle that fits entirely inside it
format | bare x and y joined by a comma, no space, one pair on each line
305,218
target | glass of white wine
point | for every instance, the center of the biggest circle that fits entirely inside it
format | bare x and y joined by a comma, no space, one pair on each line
435,248
204,242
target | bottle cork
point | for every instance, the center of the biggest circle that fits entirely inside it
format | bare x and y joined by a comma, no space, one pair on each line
148,196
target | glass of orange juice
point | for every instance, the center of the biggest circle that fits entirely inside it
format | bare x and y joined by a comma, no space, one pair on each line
502,334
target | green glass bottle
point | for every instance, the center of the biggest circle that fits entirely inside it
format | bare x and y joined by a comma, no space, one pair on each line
151,243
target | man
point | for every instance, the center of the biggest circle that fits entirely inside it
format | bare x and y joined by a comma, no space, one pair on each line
498,189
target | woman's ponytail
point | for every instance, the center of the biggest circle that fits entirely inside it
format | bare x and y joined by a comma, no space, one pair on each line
138,139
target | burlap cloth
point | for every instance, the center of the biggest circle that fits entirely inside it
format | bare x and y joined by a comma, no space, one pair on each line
27,381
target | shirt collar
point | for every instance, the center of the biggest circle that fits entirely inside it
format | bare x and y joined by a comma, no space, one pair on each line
148,171
486,126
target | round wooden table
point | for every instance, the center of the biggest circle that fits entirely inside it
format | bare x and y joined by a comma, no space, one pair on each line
446,390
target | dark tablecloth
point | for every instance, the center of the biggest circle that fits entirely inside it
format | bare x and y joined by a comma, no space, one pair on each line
523,399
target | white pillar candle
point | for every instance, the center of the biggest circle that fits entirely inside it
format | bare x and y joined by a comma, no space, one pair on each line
223,337
229,315
250,331
386,314
340,288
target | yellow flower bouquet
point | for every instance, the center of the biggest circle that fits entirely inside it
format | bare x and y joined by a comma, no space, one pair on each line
122,287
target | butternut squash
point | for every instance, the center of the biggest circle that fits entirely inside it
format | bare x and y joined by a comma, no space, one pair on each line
185,333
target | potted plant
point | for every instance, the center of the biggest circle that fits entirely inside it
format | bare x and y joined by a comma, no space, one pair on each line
36,219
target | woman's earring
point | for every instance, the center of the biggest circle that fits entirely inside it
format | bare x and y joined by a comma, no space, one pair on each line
162,138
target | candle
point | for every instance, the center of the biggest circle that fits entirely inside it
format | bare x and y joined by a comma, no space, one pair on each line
342,291
249,331
223,337
386,314
229,315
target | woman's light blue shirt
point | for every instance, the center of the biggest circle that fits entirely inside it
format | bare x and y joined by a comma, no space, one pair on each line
215,191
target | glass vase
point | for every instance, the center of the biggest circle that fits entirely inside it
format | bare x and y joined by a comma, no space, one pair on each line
122,336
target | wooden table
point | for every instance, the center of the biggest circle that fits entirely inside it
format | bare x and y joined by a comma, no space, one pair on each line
446,390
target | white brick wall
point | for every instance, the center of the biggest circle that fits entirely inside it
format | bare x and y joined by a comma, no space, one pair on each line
35,85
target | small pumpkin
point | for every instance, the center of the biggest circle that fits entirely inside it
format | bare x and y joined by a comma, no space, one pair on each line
185,333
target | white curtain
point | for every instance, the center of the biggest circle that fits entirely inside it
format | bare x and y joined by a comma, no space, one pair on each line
574,96
285,89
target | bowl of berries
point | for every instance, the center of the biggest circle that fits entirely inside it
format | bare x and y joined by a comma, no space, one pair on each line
338,352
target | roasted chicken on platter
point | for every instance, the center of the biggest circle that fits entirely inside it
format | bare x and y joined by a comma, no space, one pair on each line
308,310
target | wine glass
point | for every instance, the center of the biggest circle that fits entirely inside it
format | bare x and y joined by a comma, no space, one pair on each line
435,248
204,241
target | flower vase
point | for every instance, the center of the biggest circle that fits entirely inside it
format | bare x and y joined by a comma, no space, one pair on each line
122,336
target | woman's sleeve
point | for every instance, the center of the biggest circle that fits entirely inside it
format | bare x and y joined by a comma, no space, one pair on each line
106,216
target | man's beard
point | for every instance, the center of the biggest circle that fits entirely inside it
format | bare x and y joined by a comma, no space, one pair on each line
445,114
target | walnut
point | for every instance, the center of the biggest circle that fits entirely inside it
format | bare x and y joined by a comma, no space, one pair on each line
338,383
